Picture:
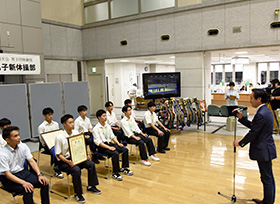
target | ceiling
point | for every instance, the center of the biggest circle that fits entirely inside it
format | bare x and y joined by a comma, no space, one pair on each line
259,54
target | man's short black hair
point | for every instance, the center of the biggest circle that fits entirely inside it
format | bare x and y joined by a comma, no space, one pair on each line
81,108
47,110
4,122
257,93
109,103
231,83
127,101
7,131
124,109
151,104
274,81
65,118
100,112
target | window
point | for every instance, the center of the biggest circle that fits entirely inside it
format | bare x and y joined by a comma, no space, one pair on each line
238,77
218,74
228,73
274,69
121,8
151,5
96,12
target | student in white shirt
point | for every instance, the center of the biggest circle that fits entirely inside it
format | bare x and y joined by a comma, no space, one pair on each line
48,125
113,121
231,96
65,164
83,125
103,137
132,93
13,175
135,136
139,122
155,127
4,122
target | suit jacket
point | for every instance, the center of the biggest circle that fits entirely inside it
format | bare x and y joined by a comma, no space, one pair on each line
262,147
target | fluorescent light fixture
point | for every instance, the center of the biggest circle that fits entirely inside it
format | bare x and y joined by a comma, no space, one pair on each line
172,57
240,60
241,52
93,69
124,60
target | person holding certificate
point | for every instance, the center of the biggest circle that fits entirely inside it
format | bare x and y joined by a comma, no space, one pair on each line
65,164
103,137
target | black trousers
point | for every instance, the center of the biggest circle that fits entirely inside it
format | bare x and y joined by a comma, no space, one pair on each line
89,142
31,178
162,140
118,133
75,171
115,156
141,125
141,143
268,181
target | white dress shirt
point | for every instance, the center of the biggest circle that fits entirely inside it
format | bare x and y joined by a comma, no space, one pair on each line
232,92
46,127
111,118
129,126
102,133
132,90
61,144
150,118
2,142
82,125
13,159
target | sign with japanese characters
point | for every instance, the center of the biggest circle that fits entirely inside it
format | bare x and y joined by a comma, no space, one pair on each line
14,64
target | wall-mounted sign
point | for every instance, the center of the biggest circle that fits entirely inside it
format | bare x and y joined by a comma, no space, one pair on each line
15,64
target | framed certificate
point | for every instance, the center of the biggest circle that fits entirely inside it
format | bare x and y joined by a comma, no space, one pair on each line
49,137
77,148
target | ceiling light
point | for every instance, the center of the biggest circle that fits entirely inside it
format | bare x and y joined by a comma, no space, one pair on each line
172,57
241,52
240,60
124,60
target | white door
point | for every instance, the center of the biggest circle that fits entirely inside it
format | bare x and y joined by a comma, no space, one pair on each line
111,88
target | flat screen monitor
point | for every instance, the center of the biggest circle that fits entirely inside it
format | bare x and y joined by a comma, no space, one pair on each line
162,85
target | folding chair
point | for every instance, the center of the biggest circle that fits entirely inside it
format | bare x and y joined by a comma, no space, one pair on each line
53,162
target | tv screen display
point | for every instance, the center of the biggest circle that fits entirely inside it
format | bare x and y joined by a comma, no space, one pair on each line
162,85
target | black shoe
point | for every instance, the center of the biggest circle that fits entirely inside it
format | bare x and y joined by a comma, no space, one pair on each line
80,199
94,190
95,160
167,148
100,157
161,151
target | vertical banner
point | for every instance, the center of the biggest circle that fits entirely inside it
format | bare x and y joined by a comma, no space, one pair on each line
15,64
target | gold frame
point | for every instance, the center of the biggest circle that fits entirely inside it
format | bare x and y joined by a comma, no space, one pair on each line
77,148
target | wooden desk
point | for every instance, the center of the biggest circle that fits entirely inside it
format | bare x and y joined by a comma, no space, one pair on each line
244,100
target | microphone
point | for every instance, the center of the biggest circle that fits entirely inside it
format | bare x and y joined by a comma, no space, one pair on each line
240,109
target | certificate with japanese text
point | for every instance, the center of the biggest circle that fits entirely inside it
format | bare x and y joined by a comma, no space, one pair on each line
77,148
49,137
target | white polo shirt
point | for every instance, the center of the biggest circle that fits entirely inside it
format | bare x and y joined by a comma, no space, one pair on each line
129,126
61,144
13,159
2,142
111,118
132,90
46,127
150,118
102,133
82,125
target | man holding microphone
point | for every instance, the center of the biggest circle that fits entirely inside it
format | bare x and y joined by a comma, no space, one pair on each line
262,147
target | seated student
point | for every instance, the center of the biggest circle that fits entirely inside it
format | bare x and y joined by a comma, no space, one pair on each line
112,120
65,164
103,135
83,125
135,136
155,127
48,125
139,122
13,175
4,122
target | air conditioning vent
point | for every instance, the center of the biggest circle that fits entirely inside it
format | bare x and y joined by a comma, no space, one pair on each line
213,32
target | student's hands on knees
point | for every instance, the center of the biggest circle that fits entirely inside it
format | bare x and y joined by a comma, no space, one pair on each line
28,187
112,148
43,180
138,138
71,164
160,133
87,136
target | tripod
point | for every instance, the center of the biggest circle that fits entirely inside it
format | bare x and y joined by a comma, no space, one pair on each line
233,197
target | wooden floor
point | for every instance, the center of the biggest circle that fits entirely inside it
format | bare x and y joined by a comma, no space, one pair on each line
197,167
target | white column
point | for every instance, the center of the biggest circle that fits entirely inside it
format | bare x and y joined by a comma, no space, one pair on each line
195,71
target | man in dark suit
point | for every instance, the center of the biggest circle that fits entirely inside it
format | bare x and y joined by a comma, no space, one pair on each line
262,147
